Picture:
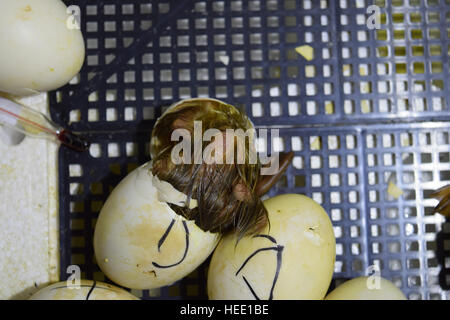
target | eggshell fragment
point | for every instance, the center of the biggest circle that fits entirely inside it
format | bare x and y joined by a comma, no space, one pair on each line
394,190
306,52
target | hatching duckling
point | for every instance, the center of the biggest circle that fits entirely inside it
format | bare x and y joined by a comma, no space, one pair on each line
228,196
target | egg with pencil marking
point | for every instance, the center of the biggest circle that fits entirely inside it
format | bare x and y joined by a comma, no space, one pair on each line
293,258
140,242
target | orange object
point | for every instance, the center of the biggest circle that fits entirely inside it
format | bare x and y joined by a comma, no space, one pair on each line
443,195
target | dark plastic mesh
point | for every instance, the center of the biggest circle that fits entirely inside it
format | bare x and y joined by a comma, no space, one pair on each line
378,100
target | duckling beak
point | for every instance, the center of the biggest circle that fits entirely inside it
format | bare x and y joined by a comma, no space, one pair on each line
443,195
267,182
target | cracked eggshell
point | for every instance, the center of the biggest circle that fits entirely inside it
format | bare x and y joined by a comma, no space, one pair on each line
38,51
140,242
154,141
366,288
87,290
300,245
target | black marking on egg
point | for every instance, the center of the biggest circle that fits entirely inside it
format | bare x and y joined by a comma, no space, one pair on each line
164,236
161,241
279,250
92,289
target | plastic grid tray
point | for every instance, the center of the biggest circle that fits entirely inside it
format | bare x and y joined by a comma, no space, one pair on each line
374,96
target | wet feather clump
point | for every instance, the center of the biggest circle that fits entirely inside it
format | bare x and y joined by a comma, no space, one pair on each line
226,194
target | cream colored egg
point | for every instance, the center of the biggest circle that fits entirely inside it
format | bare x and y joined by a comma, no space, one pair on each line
366,288
85,290
40,50
292,260
140,242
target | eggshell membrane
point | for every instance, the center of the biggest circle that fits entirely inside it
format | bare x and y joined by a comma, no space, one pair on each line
358,289
131,225
38,51
304,230
86,291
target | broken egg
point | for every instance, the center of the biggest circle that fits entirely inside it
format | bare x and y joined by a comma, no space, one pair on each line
201,103
292,259
84,290
140,242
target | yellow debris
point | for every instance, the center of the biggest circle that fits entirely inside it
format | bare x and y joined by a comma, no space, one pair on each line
346,70
365,108
310,72
394,190
315,144
406,142
362,71
365,89
306,51
329,108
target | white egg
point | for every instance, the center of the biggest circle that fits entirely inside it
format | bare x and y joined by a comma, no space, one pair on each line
366,288
85,290
293,259
38,50
140,242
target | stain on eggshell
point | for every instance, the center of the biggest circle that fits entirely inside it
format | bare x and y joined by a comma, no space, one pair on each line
145,235
147,244
24,13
